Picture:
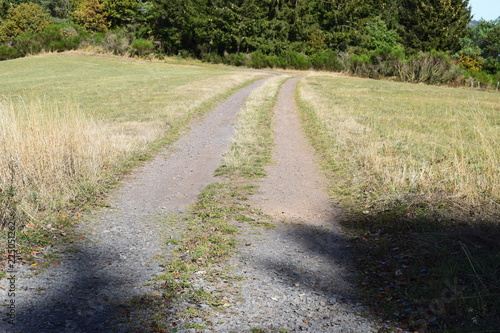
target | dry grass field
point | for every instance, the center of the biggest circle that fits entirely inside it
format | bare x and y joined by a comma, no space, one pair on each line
390,142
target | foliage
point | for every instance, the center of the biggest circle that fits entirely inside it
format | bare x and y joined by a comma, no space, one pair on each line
326,60
376,35
470,61
429,68
8,52
142,47
484,40
121,12
117,42
25,18
427,25
58,8
54,38
91,15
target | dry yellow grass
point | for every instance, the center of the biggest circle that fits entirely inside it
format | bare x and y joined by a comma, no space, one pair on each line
387,142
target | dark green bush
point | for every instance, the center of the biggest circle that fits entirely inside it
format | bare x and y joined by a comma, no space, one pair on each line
27,43
235,59
59,38
296,60
361,65
327,61
213,58
142,47
7,53
258,60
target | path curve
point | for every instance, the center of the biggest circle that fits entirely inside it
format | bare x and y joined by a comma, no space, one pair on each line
90,289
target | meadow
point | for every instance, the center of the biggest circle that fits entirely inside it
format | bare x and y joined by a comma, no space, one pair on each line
71,124
417,170
389,142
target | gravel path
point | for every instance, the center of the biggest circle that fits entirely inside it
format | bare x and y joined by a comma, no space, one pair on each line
296,276
88,291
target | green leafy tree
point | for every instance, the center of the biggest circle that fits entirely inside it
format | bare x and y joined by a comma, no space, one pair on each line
376,35
434,24
121,12
92,15
24,18
484,40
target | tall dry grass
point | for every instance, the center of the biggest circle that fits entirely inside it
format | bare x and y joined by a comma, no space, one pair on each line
48,150
409,144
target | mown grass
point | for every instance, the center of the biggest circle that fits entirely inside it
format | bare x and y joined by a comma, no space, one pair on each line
212,219
417,171
71,124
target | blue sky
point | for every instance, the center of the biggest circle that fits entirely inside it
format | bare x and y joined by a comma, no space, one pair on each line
486,9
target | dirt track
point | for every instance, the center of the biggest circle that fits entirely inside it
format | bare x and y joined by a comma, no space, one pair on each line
297,275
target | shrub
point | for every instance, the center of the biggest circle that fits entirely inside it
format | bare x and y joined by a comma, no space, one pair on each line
142,47
429,68
480,79
60,37
386,59
235,59
7,53
258,60
27,43
213,58
326,60
296,60
116,42
361,65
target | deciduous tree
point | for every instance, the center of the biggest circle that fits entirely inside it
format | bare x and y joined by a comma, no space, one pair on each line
26,17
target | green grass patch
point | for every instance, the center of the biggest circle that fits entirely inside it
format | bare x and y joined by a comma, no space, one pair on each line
416,168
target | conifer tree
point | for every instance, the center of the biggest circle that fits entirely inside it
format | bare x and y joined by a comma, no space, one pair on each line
434,24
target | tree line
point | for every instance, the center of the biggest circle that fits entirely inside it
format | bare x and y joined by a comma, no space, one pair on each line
366,37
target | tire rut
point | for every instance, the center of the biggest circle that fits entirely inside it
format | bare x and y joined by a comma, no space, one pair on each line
96,278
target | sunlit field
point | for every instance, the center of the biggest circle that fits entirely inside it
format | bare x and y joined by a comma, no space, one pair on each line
69,121
391,143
